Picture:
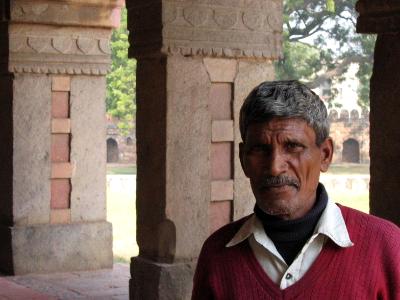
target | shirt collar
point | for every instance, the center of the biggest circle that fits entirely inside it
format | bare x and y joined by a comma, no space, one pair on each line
330,224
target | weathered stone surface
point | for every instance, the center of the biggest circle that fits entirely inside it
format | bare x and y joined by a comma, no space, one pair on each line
376,16
61,83
88,148
157,281
60,147
58,50
60,247
222,131
62,170
224,29
61,126
60,104
385,143
250,74
221,161
221,101
222,190
221,70
187,153
60,192
60,216
31,156
220,214
93,13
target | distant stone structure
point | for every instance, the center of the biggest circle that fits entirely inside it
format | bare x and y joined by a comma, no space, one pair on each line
350,133
120,149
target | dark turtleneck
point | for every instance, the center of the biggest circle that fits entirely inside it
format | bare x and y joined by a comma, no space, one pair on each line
289,236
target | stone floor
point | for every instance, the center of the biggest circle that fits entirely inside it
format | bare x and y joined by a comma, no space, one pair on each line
102,284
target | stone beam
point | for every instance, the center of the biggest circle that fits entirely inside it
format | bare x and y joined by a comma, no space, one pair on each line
224,28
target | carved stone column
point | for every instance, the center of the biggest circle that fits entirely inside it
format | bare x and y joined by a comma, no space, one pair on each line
383,18
52,107
197,60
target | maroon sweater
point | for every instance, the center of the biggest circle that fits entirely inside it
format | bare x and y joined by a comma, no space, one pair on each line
368,270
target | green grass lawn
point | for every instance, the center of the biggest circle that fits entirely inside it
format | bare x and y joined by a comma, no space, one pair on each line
348,169
121,169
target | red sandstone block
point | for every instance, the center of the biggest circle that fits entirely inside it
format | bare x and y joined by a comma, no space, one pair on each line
62,170
60,146
61,126
220,213
60,193
221,101
60,216
221,190
61,84
60,104
221,161
222,131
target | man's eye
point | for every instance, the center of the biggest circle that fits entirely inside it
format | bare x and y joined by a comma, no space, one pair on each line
293,146
258,149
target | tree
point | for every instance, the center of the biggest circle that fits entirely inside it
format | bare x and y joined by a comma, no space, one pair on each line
320,43
121,81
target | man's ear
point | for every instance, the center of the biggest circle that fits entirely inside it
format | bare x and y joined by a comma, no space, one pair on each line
241,157
326,154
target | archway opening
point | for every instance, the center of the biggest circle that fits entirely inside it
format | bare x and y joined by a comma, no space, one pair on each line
112,151
351,151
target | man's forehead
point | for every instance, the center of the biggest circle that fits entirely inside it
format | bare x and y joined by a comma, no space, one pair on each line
290,126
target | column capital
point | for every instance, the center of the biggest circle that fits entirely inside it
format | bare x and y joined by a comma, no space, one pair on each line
61,37
378,16
225,28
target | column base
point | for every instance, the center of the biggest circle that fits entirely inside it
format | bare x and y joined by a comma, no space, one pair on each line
55,248
153,281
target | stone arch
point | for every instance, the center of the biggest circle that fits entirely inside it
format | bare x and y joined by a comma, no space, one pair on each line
354,115
333,115
351,151
344,115
112,151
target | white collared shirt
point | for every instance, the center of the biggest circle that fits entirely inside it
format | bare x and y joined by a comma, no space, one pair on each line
330,225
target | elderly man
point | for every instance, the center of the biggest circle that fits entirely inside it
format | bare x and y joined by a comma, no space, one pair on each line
298,244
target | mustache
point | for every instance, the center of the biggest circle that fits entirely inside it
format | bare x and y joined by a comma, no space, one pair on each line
273,181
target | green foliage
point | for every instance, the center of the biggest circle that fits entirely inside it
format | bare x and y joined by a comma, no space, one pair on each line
121,81
320,43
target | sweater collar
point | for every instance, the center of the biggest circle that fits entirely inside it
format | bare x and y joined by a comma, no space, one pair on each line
331,224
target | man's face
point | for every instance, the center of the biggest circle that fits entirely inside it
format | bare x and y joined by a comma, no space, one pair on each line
283,162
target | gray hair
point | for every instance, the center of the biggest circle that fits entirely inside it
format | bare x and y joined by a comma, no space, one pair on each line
286,99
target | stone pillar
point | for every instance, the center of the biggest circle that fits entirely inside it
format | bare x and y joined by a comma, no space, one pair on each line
196,63
52,115
383,18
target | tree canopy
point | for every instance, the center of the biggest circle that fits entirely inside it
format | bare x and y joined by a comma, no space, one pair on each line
121,81
320,43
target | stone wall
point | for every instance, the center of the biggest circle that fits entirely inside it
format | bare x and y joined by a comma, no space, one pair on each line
349,128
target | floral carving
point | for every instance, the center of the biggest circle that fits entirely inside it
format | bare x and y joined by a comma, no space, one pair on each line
62,44
253,21
196,16
38,43
225,19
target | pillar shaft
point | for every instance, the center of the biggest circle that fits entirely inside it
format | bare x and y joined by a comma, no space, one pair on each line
196,64
52,96
383,18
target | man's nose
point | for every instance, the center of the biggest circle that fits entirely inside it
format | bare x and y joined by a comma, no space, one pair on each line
277,163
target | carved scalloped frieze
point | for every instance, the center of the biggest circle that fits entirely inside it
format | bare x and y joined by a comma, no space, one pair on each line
59,54
221,28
